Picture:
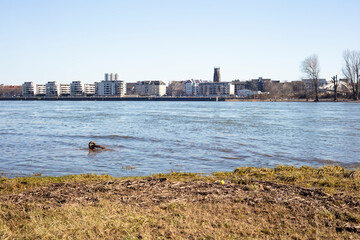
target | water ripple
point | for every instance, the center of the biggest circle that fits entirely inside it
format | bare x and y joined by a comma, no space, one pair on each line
52,137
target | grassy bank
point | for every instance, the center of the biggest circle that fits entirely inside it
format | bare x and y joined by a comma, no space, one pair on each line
248,203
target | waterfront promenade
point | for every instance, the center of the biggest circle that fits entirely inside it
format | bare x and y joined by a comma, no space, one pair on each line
177,98
112,98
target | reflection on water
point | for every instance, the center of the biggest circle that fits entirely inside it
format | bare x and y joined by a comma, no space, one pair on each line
97,151
149,137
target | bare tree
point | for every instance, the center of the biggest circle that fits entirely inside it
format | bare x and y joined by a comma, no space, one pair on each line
351,70
311,67
306,90
335,81
10,91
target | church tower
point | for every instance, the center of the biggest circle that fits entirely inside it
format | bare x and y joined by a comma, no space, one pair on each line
217,77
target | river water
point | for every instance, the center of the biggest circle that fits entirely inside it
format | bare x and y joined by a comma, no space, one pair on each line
142,138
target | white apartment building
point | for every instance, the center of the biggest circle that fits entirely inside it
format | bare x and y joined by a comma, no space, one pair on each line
64,89
150,88
40,89
89,89
216,89
52,88
76,88
28,89
191,87
106,88
111,86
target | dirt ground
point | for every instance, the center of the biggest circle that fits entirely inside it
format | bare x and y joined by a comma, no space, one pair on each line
148,192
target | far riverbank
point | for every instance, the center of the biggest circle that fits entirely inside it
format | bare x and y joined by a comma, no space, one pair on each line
258,98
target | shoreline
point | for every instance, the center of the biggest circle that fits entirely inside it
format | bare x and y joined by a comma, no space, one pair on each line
262,203
155,98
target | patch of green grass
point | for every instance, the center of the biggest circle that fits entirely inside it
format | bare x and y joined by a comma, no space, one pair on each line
15,185
178,176
329,178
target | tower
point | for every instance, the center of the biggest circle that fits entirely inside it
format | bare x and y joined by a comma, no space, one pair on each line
111,77
217,77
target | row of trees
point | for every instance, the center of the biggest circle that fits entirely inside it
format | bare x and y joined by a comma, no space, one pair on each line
294,89
9,91
351,70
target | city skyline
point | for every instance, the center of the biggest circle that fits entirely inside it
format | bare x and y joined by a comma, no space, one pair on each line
79,40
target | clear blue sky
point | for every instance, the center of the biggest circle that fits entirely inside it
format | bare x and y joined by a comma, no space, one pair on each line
66,40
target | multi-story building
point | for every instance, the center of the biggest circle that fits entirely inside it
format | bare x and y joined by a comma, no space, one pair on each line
216,89
28,89
191,87
96,88
52,88
76,88
150,88
120,88
176,88
111,86
130,88
64,89
89,89
259,84
238,86
40,89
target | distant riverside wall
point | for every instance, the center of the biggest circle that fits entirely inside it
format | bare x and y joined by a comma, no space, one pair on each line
98,98
157,98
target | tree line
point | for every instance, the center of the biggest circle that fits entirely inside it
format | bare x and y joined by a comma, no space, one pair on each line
351,71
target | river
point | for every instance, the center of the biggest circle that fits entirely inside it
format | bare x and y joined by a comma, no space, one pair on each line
142,138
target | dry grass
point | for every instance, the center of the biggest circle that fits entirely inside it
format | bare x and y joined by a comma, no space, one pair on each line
330,179
254,203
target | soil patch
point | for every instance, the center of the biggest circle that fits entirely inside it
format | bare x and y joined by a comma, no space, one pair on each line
148,192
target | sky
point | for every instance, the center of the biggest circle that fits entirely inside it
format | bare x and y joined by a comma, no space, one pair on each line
68,40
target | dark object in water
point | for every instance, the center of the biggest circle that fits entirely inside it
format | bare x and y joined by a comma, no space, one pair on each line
92,145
